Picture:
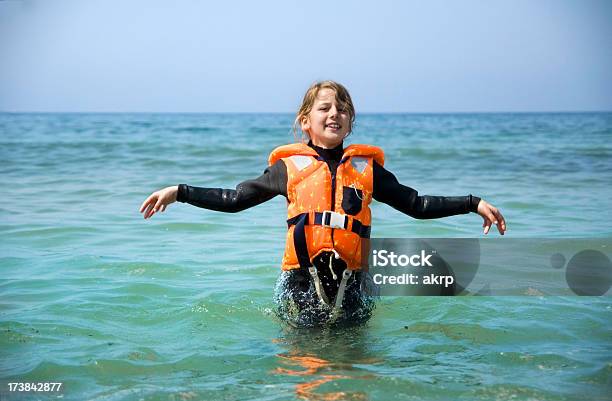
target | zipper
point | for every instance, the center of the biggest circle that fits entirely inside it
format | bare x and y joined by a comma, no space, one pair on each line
333,196
333,201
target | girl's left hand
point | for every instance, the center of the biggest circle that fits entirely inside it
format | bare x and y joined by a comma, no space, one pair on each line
491,215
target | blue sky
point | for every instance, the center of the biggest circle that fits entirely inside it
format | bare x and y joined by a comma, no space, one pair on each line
245,56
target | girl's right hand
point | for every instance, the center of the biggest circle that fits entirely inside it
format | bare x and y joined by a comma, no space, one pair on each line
158,201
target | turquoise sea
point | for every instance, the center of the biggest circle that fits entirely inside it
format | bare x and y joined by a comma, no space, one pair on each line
180,307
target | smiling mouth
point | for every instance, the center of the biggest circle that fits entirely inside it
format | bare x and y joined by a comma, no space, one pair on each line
333,126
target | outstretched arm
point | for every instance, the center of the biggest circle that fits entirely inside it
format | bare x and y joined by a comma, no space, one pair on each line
247,194
407,200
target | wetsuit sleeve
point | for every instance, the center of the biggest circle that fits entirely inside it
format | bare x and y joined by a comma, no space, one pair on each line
407,200
247,194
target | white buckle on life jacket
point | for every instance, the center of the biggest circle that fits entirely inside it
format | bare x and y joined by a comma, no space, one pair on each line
336,220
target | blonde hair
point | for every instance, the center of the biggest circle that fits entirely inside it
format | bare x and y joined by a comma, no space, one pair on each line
342,97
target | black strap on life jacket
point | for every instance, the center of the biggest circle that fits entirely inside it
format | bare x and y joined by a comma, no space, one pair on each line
320,219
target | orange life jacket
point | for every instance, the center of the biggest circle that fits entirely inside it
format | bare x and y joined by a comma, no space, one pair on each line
325,212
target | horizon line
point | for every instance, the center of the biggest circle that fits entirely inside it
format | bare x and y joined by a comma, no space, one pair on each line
292,112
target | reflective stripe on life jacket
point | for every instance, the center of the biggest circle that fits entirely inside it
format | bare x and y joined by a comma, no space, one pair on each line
325,212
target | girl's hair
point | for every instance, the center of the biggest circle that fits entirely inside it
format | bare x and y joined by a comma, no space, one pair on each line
342,97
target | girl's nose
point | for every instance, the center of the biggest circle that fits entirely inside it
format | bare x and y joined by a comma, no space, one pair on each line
333,111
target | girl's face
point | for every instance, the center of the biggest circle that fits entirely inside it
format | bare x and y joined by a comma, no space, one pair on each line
328,123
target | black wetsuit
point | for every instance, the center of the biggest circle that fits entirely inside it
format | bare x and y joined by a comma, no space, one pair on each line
273,182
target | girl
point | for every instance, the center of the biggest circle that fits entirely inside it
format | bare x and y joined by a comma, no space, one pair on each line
328,190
